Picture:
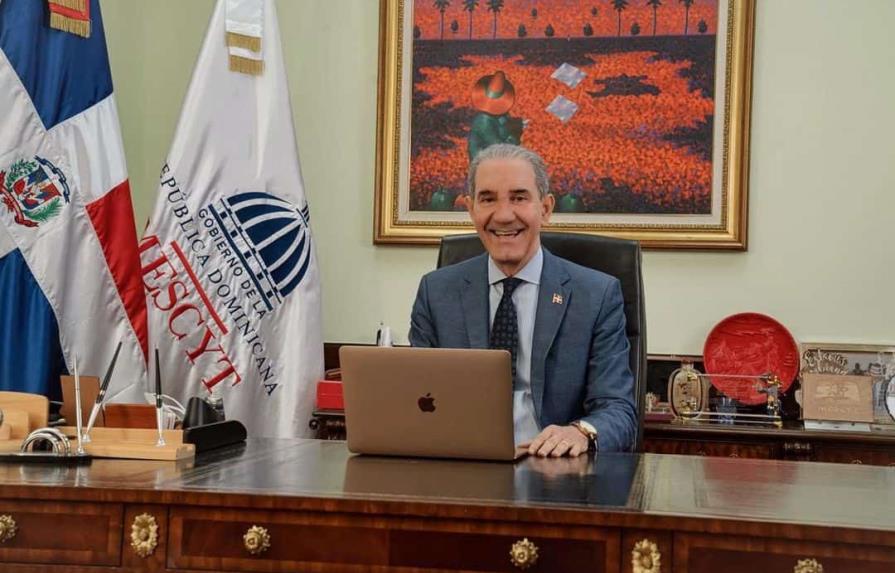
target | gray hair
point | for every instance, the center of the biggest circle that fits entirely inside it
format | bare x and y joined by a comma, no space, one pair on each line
510,151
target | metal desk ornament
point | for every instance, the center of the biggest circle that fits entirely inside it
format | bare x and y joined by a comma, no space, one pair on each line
690,399
50,445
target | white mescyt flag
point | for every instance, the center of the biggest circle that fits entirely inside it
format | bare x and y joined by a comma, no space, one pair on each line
228,263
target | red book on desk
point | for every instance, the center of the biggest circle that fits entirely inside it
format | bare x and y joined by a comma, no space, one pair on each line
329,395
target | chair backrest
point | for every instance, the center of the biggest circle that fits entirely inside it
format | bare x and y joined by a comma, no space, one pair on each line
616,257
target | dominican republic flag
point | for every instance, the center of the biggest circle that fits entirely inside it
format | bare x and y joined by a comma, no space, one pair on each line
228,262
69,265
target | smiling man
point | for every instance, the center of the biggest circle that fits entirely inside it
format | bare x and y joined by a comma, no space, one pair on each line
563,324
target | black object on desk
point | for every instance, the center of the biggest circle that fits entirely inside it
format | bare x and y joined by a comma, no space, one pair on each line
215,435
198,413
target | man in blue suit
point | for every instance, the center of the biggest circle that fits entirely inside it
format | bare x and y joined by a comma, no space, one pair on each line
563,324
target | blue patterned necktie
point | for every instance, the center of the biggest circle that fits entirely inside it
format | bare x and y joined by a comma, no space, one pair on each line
505,329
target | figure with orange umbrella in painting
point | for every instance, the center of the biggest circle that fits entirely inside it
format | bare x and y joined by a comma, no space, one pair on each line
493,96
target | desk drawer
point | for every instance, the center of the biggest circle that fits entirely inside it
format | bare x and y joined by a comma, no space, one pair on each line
61,533
710,554
852,455
212,540
488,549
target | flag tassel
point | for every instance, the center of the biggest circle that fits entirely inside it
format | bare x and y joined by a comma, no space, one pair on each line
252,43
246,65
70,25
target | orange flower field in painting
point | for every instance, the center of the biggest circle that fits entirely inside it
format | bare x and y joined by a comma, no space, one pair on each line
641,138
567,18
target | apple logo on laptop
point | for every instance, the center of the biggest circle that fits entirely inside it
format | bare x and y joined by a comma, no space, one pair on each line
427,403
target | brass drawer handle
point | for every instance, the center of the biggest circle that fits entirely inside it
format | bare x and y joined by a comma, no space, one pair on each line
8,528
256,540
857,461
645,557
808,566
144,535
524,554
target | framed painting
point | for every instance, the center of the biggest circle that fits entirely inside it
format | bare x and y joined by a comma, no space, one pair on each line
640,109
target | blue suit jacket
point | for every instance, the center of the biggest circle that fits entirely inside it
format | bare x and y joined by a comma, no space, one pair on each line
579,363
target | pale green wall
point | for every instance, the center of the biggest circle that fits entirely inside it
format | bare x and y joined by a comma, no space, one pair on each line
822,193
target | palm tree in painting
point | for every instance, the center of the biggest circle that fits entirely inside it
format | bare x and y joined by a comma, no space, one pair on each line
442,5
495,6
687,4
470,6
655,5
619,6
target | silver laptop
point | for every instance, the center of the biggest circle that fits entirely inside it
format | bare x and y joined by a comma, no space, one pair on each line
429,402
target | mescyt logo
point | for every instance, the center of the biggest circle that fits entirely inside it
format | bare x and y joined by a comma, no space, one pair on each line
270,238
34,191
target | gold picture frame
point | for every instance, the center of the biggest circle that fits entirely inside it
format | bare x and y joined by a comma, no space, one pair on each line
721,225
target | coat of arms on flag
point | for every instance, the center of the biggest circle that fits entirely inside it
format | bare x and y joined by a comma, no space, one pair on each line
34,191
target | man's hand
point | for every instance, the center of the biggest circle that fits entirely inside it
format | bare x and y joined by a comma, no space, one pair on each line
558,441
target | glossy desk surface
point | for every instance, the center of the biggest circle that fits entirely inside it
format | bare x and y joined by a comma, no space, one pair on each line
312,474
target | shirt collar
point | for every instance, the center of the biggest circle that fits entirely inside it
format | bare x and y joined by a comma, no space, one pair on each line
530,273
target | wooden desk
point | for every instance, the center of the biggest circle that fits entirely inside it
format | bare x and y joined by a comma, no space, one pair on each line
325,510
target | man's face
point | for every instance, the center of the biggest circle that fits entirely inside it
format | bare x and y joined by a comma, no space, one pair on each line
507,212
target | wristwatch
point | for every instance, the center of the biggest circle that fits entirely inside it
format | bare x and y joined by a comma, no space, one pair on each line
589,432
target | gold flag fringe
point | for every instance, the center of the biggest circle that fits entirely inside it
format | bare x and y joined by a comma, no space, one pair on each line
79,5
252,43
70,25
246,65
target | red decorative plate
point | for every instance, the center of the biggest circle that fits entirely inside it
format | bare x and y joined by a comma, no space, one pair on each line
750,344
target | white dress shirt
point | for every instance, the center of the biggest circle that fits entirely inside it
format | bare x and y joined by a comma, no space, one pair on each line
525,298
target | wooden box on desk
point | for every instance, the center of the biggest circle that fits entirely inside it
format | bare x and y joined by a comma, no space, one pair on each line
130,416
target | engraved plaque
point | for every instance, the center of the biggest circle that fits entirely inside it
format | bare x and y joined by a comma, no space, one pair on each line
835,397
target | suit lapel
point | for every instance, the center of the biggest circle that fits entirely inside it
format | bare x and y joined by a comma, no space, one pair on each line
474,299
553,300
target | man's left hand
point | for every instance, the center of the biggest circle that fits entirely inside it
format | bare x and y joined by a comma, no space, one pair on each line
558,441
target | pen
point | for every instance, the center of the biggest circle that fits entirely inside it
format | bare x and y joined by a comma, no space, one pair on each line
102,394
158,401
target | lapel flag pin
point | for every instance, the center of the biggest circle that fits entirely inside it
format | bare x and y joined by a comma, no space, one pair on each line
557,299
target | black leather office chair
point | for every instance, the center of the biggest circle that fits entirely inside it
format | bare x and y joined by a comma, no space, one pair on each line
617,257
